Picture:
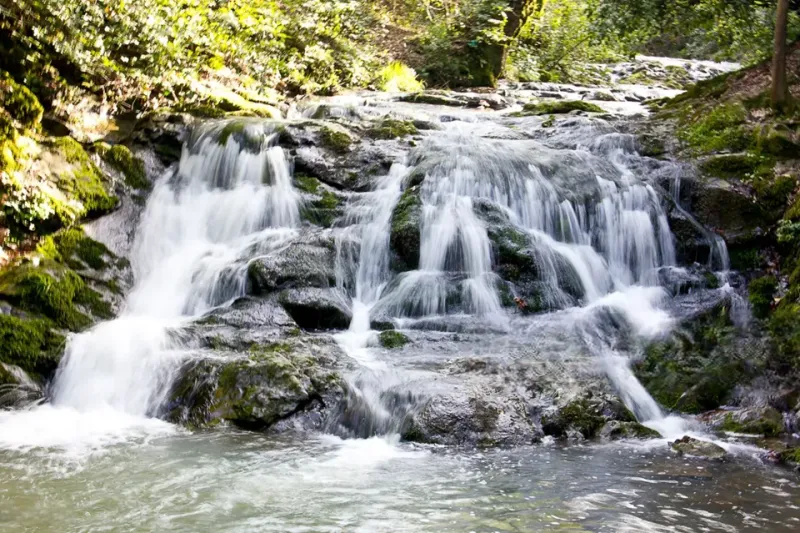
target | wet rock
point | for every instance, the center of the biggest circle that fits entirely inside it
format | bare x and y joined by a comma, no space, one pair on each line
404,238
616,429
697,448
269,385
308,263
764,421
315,309
476,420
392,339
698,367
741,216
251,313
434,98
17,388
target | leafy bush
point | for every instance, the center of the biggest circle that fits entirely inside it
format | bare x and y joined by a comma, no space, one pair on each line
399,77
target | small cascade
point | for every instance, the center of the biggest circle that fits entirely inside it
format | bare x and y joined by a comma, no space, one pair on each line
230,198
372,407
588,223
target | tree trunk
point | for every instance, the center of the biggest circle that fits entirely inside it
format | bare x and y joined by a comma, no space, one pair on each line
780,90
494,56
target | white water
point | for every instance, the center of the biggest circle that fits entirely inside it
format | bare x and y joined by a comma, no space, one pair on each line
224,204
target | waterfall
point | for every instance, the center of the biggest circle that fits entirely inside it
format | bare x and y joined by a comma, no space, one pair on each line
226,201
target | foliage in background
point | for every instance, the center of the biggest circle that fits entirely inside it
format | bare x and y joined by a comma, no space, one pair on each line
739,30
558,44
149,53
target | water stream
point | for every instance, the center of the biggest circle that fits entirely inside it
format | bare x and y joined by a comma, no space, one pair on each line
577,199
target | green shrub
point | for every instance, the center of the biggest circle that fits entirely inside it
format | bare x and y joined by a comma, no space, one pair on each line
399,77
761,291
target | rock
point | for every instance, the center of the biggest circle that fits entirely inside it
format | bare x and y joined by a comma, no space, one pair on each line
433,98
313,308
405,237
601,96
392,339
251,313
269,385
475,420
308,263
615,430
17,388
707,358
698,448
764,421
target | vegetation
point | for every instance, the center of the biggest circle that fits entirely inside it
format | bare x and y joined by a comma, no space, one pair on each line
392,339
559,107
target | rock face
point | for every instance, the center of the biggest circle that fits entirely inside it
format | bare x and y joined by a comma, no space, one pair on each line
271,384
698,448
317,308
309,263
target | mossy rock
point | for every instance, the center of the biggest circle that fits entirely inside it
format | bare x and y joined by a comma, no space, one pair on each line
336,140
579,415
760,294
30,344
75,249
723,128
615,430
324,210
54,292
405,236
132,168
82,181
392,129
559,107
696,371
20,103
767,422
307,184
393,339
269,384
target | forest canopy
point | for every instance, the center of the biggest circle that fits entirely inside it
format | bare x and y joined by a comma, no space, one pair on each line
149,53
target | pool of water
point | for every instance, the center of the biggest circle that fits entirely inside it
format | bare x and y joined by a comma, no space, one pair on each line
225,480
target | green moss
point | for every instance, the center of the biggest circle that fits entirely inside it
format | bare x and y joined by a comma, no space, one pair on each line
784,328
393,339
720,129
323,211
393,129
405,229
336,140
579,415
559,107
306,183
20,102
760,293
231,128
132,168
70,245
83,182
790,456
731,165
54,292
770,424
695,372
30,344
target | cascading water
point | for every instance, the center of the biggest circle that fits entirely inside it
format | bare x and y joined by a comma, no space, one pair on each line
230,199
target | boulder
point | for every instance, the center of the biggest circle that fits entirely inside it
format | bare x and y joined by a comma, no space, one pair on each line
258,390
314,309
692,447
404,238
308,263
